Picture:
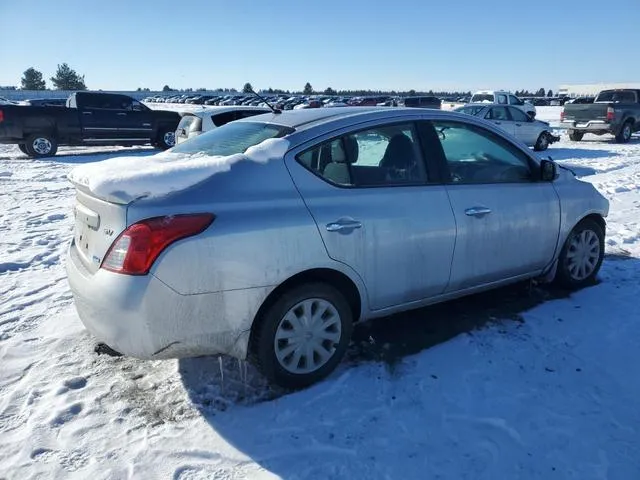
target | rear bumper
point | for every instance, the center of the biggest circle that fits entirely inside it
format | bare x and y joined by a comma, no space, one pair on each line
140,316
589,126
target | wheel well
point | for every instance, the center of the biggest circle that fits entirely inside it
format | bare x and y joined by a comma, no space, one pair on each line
324,275
596,218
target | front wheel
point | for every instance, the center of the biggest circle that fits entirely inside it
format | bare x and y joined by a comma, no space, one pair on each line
166,139
581,255
542,143
41,145
575,136
624,135
303,336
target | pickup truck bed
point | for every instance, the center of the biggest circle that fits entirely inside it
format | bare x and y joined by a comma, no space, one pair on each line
615,112
88,119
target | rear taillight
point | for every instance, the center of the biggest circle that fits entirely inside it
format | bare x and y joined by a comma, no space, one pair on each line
1,116
611,114
562,115
135,249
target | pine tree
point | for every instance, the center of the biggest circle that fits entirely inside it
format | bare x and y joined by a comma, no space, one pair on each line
308,89
247,88
550,93
66,78
32,80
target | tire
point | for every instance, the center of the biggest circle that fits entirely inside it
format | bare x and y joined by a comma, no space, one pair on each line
624,135
41,145
569,273
22,148
575,136
276,358
166,139
542,143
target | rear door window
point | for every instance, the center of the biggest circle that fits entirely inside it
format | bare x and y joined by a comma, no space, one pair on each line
518,115
387,155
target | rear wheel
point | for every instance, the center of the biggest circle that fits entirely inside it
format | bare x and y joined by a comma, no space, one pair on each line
581,255
542,143
303,336
166,139
624,135
41,145
575,136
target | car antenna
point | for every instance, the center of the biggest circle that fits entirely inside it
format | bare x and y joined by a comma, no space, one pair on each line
274,110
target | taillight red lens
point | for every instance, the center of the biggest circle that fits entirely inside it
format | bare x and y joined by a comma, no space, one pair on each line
135,249
611,113
562,115
1,116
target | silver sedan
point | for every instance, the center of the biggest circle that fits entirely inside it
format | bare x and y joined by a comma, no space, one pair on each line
342,215
532,132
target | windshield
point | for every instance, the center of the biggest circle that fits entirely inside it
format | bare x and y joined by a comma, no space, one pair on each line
232,138
616,96
482,97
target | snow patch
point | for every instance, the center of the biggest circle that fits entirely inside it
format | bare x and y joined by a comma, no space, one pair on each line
125,179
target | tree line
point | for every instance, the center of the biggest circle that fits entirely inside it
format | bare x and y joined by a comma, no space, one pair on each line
67,78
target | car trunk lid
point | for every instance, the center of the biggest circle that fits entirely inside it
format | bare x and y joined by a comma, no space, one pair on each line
97,224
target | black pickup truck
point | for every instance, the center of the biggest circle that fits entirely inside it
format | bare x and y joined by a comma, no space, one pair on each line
88,119
613,111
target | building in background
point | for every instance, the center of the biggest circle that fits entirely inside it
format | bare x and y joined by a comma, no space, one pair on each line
591,89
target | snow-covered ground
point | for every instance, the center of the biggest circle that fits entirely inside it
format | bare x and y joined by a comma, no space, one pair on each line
520,383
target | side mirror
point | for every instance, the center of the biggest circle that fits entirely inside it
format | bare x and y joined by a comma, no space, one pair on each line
548,170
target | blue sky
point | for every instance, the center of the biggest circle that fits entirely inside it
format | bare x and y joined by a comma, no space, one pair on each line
399,44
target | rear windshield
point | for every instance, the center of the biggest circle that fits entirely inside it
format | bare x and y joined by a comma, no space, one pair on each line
482,97
232,138
187,121
616,97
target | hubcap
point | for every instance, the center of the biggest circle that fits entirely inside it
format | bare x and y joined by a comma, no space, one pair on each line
307,336
41,146
627,132
170,139
583,254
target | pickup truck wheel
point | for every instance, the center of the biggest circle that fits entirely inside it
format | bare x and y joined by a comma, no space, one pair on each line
624,135
41,145
575,136
581,255
22,148
166,139
542,143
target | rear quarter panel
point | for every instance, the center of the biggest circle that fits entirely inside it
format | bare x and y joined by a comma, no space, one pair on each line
263,233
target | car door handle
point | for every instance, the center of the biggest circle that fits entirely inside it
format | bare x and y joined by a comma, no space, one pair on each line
122,114
518,124
87,113
498,123
343,224
477,211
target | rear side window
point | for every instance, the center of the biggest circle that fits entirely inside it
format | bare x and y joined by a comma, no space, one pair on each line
518,115
381,156
223,118
502,99
232,138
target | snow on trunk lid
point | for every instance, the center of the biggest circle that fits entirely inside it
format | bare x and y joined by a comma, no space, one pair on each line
97,224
